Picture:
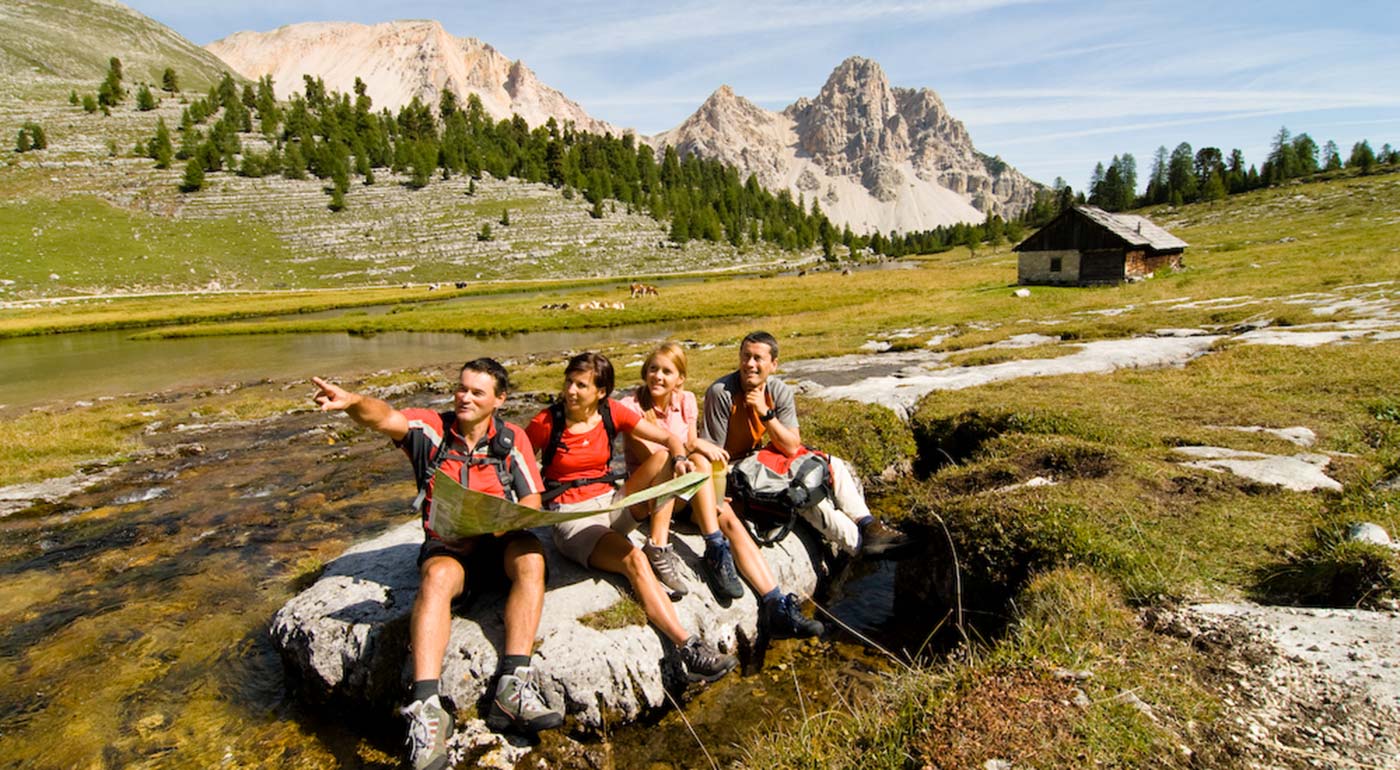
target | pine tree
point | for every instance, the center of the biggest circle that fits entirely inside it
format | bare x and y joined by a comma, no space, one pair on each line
89,103
73,97
485,234
337,200
1331,156
111,93
471,187
22,141
1362,157
597,211
145,100
194,176
168,81
505,217
159,148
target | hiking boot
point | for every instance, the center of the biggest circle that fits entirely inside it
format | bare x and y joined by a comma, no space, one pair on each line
518,706
784,620
719,568
429,727
703,662
667,566
879,540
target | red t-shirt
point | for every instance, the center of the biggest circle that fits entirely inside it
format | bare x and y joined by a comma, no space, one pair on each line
580,455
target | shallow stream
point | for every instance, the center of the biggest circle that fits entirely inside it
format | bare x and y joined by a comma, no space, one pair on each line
133,615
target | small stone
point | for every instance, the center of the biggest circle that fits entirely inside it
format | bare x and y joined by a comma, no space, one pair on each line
1080,699
996,764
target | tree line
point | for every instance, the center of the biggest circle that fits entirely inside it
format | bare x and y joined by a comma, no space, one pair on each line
331,136
1207,174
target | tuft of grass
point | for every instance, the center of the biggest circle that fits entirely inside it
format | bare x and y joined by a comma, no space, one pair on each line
869,437
1003,700
1328,568
621,614
50,444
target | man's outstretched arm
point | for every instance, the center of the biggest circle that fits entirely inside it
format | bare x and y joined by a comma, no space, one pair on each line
365,410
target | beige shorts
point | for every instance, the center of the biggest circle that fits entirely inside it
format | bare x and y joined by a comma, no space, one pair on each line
577,538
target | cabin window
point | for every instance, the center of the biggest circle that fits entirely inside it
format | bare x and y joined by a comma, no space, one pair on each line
1055,264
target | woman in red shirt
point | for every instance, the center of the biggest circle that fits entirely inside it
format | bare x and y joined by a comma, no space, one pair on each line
576,459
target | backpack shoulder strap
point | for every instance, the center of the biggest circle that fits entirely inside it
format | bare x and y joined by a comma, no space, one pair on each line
556,433
448,420
605,411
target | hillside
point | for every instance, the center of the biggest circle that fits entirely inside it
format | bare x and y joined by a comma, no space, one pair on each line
872,155
49,46
398,61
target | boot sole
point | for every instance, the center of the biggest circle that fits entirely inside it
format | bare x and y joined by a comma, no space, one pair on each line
504,723
696,677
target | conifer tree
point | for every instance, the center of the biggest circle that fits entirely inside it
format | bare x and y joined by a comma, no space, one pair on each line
160,148
22,141
145,100
194,176
1362,157
485,233
73,97
37,139
169,81
505,217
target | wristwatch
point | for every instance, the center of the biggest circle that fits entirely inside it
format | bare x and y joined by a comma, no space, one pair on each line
768,415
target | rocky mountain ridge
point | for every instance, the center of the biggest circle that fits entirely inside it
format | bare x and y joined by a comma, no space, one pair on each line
874,156
397,61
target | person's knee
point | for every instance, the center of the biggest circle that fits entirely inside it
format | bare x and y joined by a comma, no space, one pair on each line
527,568
701,462
636,566
442,576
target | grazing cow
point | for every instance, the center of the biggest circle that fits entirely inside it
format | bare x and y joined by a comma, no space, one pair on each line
460,284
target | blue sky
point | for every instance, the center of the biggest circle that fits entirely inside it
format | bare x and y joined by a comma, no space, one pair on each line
1052,87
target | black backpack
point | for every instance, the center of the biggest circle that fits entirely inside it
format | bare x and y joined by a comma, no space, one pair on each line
774,488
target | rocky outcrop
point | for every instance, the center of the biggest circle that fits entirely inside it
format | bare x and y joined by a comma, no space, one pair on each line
886,158
346,636
397,61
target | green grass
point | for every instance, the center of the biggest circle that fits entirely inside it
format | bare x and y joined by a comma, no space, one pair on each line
60,237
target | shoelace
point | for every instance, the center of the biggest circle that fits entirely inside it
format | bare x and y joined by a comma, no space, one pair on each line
421,730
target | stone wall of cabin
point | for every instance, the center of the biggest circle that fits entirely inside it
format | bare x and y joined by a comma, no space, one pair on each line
1034,267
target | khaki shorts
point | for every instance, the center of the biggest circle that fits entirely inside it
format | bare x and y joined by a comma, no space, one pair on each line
577,538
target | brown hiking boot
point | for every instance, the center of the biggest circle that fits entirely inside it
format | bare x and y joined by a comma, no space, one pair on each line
880,541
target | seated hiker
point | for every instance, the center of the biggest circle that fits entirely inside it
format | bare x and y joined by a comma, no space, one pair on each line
749,405
575,436
662,399
489,455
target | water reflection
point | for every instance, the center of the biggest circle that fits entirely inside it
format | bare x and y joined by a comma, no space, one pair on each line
89,365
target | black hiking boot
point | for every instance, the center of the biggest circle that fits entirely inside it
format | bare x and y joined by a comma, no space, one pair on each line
878,541
784,620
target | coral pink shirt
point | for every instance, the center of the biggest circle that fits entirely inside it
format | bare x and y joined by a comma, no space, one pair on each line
677,418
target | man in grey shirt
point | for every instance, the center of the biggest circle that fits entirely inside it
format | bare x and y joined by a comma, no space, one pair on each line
748,405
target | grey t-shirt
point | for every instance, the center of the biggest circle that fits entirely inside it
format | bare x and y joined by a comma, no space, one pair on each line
719,405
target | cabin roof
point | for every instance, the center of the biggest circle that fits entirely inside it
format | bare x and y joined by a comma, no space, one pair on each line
1136,230
1132,230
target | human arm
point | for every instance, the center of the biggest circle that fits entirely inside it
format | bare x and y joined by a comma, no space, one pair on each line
710,451
718,404
655,433
782,428
368,411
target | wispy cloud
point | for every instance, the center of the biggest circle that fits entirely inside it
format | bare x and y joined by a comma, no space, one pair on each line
709,20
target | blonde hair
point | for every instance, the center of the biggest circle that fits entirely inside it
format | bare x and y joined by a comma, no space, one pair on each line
671,350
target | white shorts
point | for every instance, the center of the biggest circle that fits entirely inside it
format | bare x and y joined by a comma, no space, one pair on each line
577,538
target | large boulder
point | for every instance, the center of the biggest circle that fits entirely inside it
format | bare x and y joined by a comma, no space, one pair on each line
346,637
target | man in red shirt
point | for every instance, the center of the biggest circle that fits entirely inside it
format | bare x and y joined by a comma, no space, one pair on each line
471,444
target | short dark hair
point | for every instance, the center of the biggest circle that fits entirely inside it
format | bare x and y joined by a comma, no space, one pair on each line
489,366
598,364
765,338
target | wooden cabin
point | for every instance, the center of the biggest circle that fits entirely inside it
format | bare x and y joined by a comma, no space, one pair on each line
1087,245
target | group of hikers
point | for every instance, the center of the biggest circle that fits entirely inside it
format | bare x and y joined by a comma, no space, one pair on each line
663,439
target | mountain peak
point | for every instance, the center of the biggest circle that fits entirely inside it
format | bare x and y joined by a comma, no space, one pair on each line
398,61
875,155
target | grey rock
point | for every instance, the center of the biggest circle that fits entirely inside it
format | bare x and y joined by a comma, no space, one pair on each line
1366,532
347,635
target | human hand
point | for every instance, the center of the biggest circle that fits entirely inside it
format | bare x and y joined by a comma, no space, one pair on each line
331,397
710,451
758,399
